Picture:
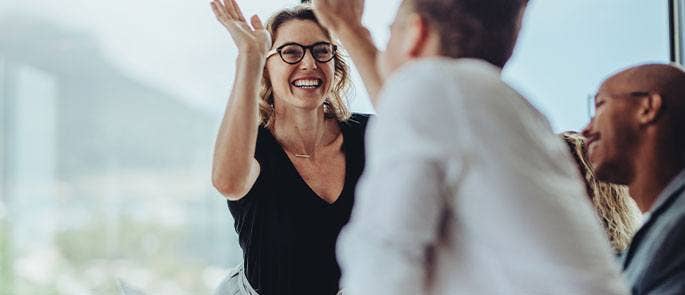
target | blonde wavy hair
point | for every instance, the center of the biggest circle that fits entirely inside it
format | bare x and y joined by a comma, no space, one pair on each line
615,207
336,105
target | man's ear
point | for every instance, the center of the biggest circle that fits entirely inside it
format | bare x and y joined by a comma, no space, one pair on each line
650,108
416,39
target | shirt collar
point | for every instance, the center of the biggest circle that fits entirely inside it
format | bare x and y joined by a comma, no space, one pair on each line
676,183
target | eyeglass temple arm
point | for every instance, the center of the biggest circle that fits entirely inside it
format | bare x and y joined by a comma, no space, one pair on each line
271,52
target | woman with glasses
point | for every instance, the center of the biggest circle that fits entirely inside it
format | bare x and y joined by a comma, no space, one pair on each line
288,153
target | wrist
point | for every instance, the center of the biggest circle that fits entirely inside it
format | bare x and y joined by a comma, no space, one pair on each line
352,32
250,66
251,57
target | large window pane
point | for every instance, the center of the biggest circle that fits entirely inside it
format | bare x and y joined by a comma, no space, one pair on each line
108,111
568,47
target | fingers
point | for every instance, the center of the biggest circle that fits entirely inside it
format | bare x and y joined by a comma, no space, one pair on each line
236,10
232,10
227,20
228,9
256,23
218,10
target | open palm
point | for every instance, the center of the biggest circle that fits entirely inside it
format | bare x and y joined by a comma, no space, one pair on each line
253,39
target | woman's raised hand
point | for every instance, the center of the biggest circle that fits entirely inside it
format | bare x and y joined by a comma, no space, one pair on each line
249,40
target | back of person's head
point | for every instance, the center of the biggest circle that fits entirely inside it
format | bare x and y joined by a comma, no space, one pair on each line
666,81
482,29
618,212
673,91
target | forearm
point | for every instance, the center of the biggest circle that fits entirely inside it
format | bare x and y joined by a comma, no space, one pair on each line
383,250
235,144
359,44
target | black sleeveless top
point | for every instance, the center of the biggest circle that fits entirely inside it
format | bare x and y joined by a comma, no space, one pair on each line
287,232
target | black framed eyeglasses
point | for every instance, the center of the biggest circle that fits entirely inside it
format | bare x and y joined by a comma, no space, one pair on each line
292,53
592,98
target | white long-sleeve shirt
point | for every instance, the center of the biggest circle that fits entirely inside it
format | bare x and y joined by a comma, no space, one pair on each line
468,191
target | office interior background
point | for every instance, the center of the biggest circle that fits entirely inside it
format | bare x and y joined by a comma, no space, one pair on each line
108,112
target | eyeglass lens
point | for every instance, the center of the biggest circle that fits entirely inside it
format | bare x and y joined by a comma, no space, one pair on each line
293,53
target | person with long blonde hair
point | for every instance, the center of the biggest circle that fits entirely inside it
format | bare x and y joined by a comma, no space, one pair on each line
617,211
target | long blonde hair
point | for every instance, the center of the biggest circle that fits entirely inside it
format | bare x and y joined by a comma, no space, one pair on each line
616,209
336,105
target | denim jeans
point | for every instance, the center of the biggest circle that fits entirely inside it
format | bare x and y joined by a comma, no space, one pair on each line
235,283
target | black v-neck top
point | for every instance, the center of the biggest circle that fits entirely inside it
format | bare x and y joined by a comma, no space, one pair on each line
287,232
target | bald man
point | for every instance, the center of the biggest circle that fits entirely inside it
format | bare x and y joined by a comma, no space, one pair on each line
637,138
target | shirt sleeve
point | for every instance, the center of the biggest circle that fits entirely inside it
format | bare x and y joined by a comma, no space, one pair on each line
400,199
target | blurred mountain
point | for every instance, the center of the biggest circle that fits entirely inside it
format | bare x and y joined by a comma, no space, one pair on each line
102,116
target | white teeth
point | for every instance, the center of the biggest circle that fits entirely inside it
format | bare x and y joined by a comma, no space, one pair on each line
307,83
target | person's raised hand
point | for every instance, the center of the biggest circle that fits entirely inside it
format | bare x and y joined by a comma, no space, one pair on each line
249,40
336,15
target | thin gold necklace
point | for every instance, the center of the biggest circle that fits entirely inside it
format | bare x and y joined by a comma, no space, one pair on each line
305,156
288,151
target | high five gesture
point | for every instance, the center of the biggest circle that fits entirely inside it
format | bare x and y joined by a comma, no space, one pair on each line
344,19
253,40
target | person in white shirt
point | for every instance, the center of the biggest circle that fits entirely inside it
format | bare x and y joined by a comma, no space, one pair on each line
467,190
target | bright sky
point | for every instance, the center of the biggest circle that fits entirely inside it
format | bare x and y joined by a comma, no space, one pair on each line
565,50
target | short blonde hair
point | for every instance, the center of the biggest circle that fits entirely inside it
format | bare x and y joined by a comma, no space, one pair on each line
336,105
613,203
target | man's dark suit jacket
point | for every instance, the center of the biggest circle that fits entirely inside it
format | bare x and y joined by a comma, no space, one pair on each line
655,261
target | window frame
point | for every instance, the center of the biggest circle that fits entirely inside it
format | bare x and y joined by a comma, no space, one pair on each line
676,21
